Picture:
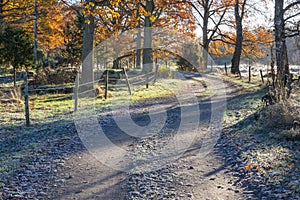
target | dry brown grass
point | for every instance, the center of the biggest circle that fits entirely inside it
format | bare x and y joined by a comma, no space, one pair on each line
100,93
285,115
50,75
12,96
294,110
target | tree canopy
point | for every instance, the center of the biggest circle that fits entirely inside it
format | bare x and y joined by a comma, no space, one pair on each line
67,31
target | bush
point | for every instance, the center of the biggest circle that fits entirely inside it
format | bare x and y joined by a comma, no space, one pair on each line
164,73
277,115
55,76
284,115
13,96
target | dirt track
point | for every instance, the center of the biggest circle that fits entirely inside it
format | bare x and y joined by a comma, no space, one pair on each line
195,175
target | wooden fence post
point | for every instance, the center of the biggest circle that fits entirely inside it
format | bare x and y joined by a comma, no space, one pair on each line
249,73
106,85
134,66
262,77
76,92
147,80
26,100
127,81
156,71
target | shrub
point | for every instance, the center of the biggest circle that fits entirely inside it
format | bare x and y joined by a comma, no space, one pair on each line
284,115
49,75
164,73
13,96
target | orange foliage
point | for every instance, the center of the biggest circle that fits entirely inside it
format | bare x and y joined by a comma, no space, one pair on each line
255,43
51,20
125,15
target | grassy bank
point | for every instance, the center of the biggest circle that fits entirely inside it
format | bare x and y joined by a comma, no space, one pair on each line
265,140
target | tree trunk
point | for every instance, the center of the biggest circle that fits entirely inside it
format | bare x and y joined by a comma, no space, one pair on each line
1,12
138,50
205,42
235,62
35,44
87,48
272,66
116,62
15,76
138,41
281,51
147,48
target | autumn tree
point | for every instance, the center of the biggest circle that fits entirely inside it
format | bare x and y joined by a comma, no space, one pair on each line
239,13
174,15
147,48
138,37
256,43
73,40
284,14
107,18
15,11
125,15
209,12
88,42
99,16
133,14
51,18
244,36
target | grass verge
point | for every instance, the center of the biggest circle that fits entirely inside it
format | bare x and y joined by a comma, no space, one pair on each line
262,136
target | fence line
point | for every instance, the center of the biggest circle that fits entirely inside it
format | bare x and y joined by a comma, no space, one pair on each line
139,82
26,100
86,91
27,89
92,82
10,88
141,76
49,89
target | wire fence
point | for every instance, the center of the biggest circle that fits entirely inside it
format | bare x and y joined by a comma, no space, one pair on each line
25,92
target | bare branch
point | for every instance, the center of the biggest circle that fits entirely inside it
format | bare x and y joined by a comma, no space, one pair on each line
224,41
217,25
75,8
292,16
291,5
197,10
243,8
